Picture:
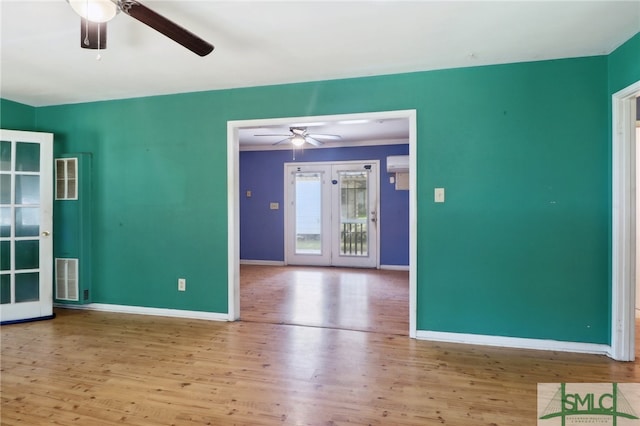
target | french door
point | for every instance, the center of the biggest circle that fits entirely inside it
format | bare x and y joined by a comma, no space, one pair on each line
26,247
331,214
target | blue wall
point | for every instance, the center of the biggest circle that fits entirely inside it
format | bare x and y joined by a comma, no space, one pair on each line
262,173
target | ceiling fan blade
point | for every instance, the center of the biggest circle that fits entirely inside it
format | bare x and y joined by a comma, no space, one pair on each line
279,142
93,35
320,136
163,25
312,141
273,134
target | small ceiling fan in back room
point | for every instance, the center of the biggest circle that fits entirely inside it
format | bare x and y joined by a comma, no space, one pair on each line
96,13
299,135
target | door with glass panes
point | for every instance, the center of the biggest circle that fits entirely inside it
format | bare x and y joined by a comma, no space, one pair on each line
26,192
331,214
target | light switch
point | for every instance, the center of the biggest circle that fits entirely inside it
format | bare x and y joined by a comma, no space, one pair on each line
274,206
438,195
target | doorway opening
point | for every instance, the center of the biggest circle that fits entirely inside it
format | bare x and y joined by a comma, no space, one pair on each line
234,128
624,223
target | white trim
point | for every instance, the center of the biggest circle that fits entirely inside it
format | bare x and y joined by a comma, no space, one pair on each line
395,267
262,262
623,226
413,224
233,222
282,263
233,203
513,342
140,310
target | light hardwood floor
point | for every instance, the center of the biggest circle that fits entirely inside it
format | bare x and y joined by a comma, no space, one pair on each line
96,368
345,298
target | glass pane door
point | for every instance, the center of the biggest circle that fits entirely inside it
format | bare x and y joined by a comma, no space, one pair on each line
331,214
354,201
25,225
308,227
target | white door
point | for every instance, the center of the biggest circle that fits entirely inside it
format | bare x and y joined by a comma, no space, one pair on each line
355,214
331,214
26,205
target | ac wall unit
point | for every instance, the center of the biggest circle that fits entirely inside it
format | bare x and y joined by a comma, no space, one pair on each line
398,164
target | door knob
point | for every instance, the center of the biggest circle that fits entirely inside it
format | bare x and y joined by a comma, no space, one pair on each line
45,233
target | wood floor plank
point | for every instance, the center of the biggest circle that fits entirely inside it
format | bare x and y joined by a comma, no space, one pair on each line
96,368
345,298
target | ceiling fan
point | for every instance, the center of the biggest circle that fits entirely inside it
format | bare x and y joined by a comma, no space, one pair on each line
299,135
96,13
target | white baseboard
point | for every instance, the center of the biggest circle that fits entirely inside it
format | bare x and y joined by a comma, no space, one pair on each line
395,267
262,262
514,342
140,310
281,263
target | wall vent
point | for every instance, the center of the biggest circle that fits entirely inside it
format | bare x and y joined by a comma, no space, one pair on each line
67,279
66,178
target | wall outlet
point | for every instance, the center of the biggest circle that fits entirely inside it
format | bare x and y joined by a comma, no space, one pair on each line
182,284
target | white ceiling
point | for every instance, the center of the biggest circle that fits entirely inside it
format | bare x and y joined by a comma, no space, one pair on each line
267,42
272,42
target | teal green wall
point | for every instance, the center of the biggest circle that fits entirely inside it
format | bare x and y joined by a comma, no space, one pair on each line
16,116
159,197
520,248
624,65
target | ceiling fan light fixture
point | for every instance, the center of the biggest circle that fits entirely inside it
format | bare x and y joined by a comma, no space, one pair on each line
95,10
298,140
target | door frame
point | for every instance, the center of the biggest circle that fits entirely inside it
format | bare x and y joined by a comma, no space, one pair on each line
288,213
623,223
233,198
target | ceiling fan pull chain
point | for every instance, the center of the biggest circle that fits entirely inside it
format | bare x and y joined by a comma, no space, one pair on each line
86,28
98,57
